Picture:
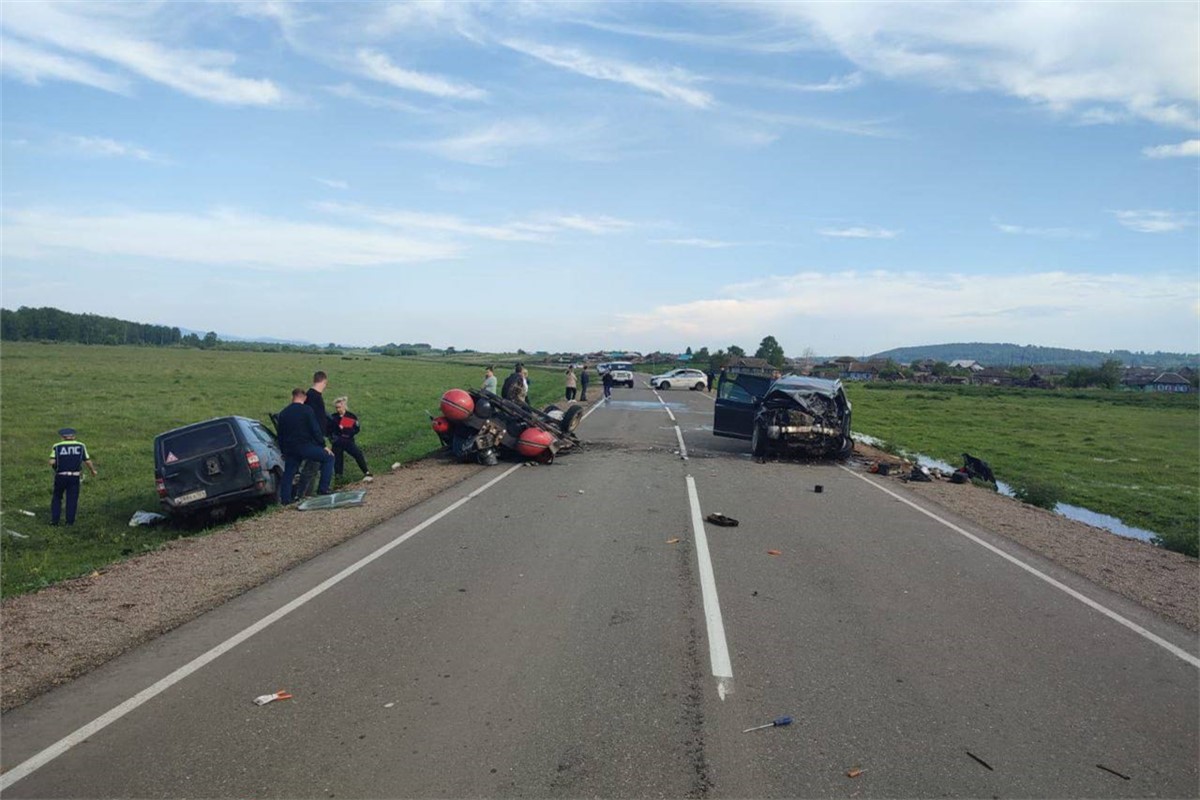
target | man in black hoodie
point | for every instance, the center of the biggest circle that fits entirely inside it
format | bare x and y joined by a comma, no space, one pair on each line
302,439
314,398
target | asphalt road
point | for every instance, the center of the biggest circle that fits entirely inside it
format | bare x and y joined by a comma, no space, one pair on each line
536,633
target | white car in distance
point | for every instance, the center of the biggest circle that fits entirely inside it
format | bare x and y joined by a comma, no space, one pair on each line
693,379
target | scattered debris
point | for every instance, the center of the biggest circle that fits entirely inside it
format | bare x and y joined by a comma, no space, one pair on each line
396,465
818,488
145,518
960,476
774,553
1113,771
388,705
920,474
978,468
14,534
775,723
263,699
980,760
722,520
335,500
854,772
676,540
27,513
581,491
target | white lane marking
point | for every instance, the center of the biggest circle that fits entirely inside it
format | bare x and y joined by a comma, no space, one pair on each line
104,720
669,414
682,447
1087,601
718,650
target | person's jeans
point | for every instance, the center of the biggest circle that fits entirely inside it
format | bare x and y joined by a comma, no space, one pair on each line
570,393
65,486
291,465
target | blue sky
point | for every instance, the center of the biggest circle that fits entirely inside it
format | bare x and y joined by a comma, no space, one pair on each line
847,177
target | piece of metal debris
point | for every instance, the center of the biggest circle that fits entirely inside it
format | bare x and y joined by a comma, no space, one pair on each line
1113,771
263,699
980,760
722,520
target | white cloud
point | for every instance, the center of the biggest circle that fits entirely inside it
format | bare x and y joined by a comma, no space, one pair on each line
1046,233
490,145
34,65
1140,58
535,229
221,237
672,83
107,32
379,67
857,312
349,91
843,83
1182,150
101,147
333,184
1155,221
859,232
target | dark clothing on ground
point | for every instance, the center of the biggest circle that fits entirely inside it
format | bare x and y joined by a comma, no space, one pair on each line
301,439
316,401
68,457
343,428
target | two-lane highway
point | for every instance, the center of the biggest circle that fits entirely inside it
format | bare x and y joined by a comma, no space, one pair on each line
535,632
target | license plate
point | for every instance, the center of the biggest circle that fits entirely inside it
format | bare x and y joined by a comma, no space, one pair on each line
190,497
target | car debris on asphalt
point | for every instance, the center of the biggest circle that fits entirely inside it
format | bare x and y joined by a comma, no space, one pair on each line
722,520
263,699
775,723
324,502
854,772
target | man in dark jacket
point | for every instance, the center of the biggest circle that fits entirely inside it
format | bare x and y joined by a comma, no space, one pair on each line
302,439
515,388
584,379
315,399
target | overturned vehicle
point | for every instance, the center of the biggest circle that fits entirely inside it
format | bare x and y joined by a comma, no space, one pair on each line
792,415
484,427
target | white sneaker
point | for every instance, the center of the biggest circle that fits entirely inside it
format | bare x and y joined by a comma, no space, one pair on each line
368,478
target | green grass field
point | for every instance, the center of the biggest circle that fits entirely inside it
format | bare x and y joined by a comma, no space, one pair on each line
1133,456
119,398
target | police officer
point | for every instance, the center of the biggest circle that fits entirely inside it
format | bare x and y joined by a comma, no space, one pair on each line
67,459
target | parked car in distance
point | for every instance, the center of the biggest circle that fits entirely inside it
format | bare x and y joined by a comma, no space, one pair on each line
621,375
608,366
792,414
213,465
693,379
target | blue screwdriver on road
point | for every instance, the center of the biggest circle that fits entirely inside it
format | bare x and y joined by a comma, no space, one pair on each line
777,723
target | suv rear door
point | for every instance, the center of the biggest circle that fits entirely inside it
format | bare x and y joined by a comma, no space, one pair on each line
738,397
202,461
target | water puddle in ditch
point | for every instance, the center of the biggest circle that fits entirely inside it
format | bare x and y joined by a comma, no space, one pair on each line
1077,513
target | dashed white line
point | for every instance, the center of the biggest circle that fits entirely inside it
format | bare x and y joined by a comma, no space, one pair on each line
1087,601
718,649
682,447
104,720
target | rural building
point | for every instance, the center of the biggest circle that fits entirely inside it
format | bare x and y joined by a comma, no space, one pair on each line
992,376
1170,382
1138,378
967,363
859,371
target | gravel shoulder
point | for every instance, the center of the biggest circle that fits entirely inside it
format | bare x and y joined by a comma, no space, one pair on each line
61,632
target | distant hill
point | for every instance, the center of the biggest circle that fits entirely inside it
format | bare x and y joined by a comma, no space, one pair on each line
994,354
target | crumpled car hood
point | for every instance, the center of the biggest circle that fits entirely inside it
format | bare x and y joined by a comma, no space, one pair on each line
801,390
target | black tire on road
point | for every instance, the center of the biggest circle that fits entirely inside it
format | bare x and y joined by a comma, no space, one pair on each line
699,387
758,441
572,418
664,385
629,385
846,449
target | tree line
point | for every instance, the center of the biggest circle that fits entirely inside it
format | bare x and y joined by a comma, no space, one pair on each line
52,325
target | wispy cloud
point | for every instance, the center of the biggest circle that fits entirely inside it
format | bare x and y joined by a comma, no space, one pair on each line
1155,221
842,83
379,67
1113,309
536,228
859,232
333,184
1045,233
348,91
101,147
1186,149
672,83
220,237
1067,57
107,32
34,65
490,145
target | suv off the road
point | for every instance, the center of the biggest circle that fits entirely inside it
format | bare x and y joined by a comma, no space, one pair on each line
212,465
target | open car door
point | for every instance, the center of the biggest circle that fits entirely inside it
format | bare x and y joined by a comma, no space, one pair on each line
737,402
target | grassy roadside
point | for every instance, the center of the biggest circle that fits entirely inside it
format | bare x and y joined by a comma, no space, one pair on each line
1133,456
119,398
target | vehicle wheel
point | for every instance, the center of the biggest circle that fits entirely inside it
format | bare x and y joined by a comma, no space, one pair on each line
629,385
549,408
665,385
699,387
571,419
277,481
758,441
846,449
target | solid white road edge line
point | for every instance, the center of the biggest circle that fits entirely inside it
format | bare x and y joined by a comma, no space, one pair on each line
718,650
104,720
1087,601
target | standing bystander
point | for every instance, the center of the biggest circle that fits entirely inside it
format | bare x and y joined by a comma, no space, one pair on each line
68,458
489,380
301,439
584,380
570,383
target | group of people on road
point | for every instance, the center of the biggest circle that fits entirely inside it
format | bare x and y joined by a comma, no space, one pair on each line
303,428
516,385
